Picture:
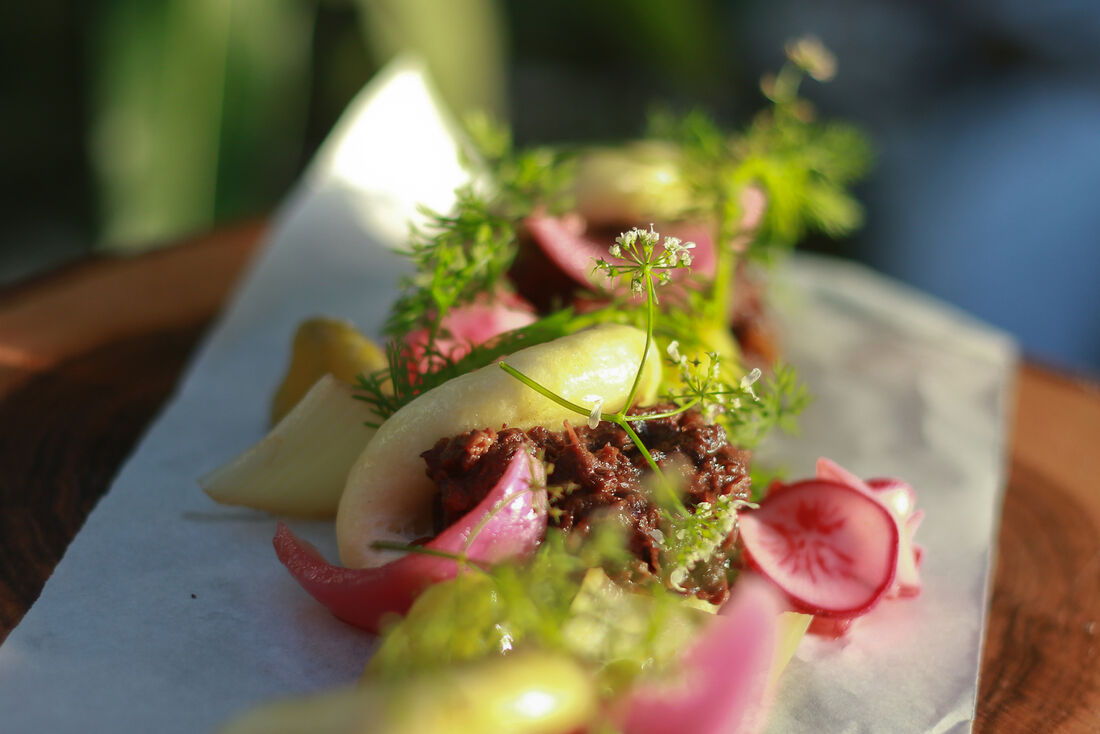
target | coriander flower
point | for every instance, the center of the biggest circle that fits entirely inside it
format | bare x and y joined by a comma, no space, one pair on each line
597,406
809,54
749,379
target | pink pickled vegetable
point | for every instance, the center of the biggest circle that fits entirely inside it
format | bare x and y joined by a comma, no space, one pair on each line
472,324
569,249
901,500
721,684
832,627
510,521
831,547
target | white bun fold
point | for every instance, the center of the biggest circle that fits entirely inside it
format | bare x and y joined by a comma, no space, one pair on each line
388,496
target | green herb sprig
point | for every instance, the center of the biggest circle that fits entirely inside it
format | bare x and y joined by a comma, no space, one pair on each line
801,166
642,259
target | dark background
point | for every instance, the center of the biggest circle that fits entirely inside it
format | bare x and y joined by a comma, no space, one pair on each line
985,116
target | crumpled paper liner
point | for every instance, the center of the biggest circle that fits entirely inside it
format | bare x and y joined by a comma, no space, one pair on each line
169,613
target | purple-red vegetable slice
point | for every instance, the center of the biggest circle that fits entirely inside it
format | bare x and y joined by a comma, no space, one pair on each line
901,500
830,547
509,522
721,683
567,246
466,326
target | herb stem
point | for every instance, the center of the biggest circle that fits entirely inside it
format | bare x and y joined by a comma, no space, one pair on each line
650,317
722,287
622,423
543,390
668,413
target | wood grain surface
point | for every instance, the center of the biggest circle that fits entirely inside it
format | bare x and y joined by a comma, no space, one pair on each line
88,355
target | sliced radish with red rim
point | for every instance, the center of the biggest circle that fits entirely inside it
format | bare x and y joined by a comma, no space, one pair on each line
900,499
832,548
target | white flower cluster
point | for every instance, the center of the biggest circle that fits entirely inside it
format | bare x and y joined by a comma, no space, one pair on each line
705,384
696,537
638,247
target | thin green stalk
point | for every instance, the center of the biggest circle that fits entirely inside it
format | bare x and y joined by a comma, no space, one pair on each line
667,414
722,287
650,317
544,391
622,423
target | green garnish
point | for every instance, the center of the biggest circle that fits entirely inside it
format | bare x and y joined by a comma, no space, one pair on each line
552,601
690,536
457,258
389,389
555,600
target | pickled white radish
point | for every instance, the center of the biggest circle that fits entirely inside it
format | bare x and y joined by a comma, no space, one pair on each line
509,522
832,548
301,466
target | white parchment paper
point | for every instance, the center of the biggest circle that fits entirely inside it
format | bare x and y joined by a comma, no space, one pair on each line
169,613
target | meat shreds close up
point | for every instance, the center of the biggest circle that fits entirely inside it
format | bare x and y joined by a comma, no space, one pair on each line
598,472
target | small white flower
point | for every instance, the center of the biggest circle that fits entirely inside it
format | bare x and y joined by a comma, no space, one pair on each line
616,250
596,414
673,350
748,380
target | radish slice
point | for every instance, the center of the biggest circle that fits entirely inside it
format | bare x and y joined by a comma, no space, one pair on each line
897,495
510,521
901,500
907,583
831,471
832,548
722,683
472,324
832,627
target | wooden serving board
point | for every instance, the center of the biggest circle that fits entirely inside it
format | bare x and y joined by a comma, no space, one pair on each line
89,354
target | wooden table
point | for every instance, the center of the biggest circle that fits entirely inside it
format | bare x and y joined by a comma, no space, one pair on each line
90,353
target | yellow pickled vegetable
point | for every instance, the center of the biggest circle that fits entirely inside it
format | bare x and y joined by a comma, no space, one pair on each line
324,346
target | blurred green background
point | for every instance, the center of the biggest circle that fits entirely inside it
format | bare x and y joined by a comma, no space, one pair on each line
129,124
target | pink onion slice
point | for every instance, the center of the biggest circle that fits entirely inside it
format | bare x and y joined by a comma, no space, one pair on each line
472,324
832,548
721,684
575,254
509,522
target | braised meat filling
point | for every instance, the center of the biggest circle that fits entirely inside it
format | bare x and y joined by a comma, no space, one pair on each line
601,472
